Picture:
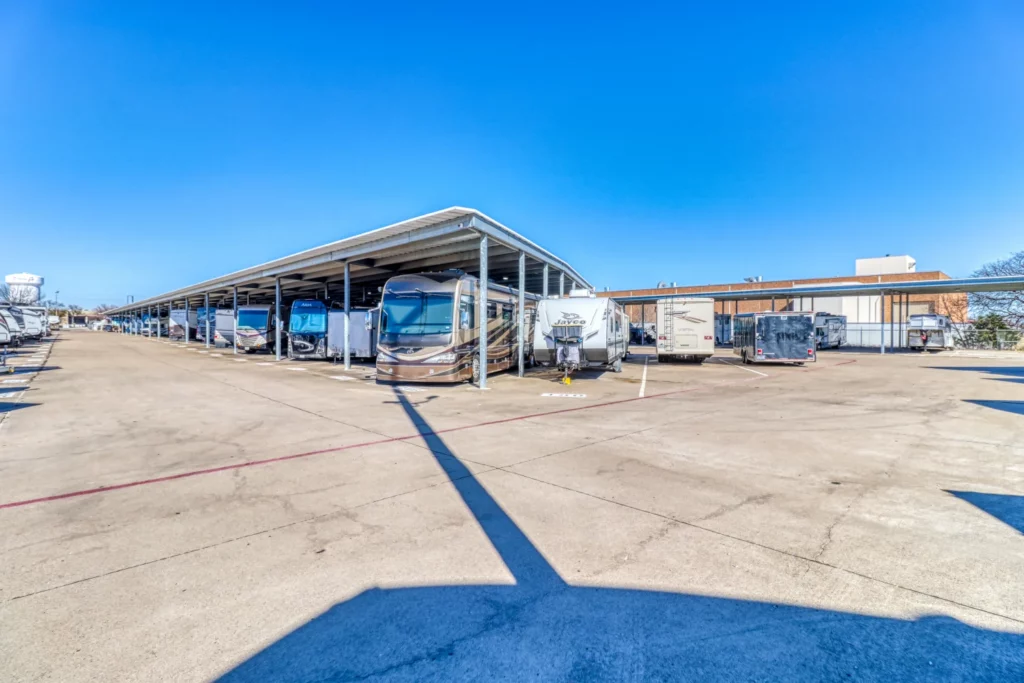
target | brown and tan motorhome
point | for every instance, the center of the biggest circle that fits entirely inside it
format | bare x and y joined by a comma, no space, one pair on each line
429,330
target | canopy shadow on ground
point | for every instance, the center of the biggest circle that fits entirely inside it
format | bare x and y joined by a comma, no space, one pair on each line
1016,407
1008,509
1007,373
542,628
10,406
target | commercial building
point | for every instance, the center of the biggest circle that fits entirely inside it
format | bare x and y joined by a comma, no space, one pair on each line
857,309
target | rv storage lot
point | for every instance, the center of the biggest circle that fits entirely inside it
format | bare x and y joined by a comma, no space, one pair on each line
858,517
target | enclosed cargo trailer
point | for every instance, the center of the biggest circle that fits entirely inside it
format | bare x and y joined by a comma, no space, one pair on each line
781,337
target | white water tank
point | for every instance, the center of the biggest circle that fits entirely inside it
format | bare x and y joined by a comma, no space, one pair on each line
24,288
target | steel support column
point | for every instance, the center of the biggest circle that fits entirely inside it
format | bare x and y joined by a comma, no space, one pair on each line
521,322
546,278
881,317
149,320
158,335
348,312
773,304
186,320
561,283
481,307
643,324
277,318
892,320
234,335
207,302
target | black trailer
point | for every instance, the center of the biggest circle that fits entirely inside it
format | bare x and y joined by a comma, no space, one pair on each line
783,337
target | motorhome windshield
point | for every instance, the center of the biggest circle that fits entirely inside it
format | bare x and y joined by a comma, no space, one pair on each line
410,311
308,317
253,319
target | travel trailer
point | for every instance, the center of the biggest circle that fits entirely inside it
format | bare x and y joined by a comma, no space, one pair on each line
686,329
255,329
783,337
580,331
317,331
14,328
929,332
224,327
829,330
27,321
154,327
202,314
429,330
177,325
5,333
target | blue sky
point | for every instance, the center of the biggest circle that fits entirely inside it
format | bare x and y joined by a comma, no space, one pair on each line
145,146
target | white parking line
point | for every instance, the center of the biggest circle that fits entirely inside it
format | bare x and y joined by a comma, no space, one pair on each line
266,363
296,369
14,381
240,360
565,395
742,367
643,380
218,355
342,378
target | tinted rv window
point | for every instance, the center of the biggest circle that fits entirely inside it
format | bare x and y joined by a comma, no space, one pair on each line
417,313
308,317
257,320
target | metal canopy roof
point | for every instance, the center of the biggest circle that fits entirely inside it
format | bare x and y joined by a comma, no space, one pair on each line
436,241
951,286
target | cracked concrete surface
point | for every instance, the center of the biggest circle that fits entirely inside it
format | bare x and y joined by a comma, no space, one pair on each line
796,526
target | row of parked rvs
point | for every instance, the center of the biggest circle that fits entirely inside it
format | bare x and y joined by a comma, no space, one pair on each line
426,329
19,324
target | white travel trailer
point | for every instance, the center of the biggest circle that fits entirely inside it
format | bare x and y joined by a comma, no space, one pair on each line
224,327
362,333
581,331
14,328
829,330
686,329
929,332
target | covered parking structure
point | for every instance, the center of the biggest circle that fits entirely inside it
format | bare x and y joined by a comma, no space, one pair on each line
898,293
357,267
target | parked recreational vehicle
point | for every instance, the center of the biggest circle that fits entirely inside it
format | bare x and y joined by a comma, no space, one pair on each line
5,333
723,328
829,330
224,327
686,329
178,326
783,337
42,315
202,313
580,331
255,328
151,325
929,332
27,321
15,329
429,330
317,331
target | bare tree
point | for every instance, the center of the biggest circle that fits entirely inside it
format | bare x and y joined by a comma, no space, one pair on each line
103,308
1008,305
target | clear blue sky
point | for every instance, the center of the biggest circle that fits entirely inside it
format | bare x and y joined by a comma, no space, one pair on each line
149,145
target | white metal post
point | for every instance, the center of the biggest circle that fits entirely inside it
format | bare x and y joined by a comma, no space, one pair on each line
481,307
234,337
158,321
521,322
149,320
277,318
892,319
348,312
546,277
561,283
207,304
186,320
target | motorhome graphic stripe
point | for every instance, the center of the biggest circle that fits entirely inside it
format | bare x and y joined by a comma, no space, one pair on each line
338,449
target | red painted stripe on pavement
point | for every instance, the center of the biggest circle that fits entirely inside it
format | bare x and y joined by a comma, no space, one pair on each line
296,456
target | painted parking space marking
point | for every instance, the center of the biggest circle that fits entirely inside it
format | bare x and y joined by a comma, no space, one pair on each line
296,369
565,395
240,360
218,355
14,381
643,380
410,390
342,378
8,394
266,363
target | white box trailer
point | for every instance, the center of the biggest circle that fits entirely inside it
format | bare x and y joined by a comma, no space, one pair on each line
178,326
224,327
686,329
362,333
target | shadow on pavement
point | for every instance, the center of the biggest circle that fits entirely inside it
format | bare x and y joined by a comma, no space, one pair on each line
542,628
1007,373
1006,508
1008,406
